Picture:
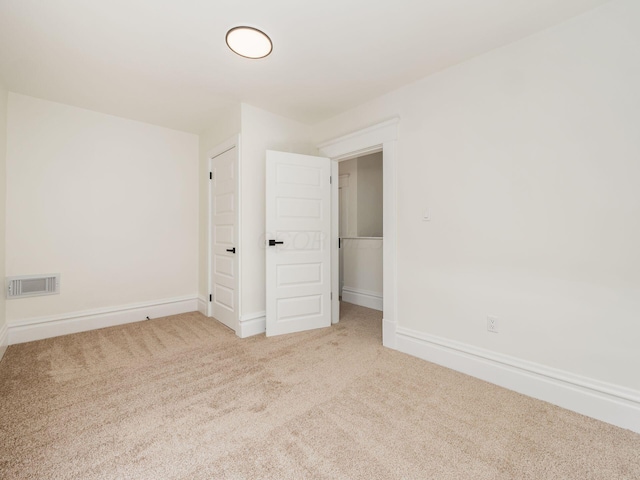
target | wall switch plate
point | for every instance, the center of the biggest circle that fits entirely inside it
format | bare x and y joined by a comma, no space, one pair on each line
492,324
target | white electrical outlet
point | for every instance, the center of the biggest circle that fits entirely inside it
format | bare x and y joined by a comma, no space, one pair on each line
492,324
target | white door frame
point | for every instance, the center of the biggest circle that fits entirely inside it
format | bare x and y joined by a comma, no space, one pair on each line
228,144
381,136
343,216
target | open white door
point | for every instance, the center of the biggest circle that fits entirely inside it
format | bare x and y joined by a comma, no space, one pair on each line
224,238
298,242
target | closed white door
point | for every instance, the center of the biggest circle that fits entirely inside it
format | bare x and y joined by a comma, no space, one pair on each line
298,229
224,238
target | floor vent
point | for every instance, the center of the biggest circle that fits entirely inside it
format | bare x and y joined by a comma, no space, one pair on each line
33,285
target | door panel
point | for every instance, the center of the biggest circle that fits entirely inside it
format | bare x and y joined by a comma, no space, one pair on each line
224,202
299,208
224,234
298,269
301,274
299,175
224,266
224,210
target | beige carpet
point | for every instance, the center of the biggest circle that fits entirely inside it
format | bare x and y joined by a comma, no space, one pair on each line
182,397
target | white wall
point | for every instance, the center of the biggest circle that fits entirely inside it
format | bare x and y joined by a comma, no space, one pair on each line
226,125
528,159
261,131
350,168
363,271
365,195
363,264
3,183
110,204
370,195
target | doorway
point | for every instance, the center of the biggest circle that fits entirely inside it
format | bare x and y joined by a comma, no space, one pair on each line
360,244
383,136
223,244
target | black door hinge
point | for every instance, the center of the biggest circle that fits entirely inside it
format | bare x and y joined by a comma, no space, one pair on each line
211,298
210,175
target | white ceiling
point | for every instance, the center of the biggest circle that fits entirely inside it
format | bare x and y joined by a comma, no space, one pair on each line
166,61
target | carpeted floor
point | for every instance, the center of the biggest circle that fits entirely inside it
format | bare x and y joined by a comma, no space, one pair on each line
183,397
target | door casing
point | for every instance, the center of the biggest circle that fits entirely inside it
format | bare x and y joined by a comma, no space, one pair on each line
383,136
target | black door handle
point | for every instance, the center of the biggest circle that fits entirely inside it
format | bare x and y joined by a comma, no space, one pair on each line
273,243
232,250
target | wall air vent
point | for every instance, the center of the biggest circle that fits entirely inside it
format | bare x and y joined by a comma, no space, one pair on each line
33,285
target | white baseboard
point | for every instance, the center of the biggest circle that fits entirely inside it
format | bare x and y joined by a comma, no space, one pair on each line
202,305
252,324
609,403
4,339
389,334
46,327
364,298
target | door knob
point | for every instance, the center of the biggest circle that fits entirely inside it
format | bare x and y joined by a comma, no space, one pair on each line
273,243
232,250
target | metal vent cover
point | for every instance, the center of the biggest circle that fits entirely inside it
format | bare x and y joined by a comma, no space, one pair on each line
33,285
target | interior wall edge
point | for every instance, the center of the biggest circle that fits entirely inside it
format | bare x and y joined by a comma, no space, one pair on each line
4,339
202,304
252,324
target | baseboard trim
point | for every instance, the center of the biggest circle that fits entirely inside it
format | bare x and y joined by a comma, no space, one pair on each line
4,339
364,298
252,324
609,403
202,305
389,334
75,322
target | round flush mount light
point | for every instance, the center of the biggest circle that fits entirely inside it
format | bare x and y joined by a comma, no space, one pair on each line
249,42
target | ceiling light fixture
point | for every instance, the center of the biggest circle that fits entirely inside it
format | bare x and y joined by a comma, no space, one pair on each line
249,42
